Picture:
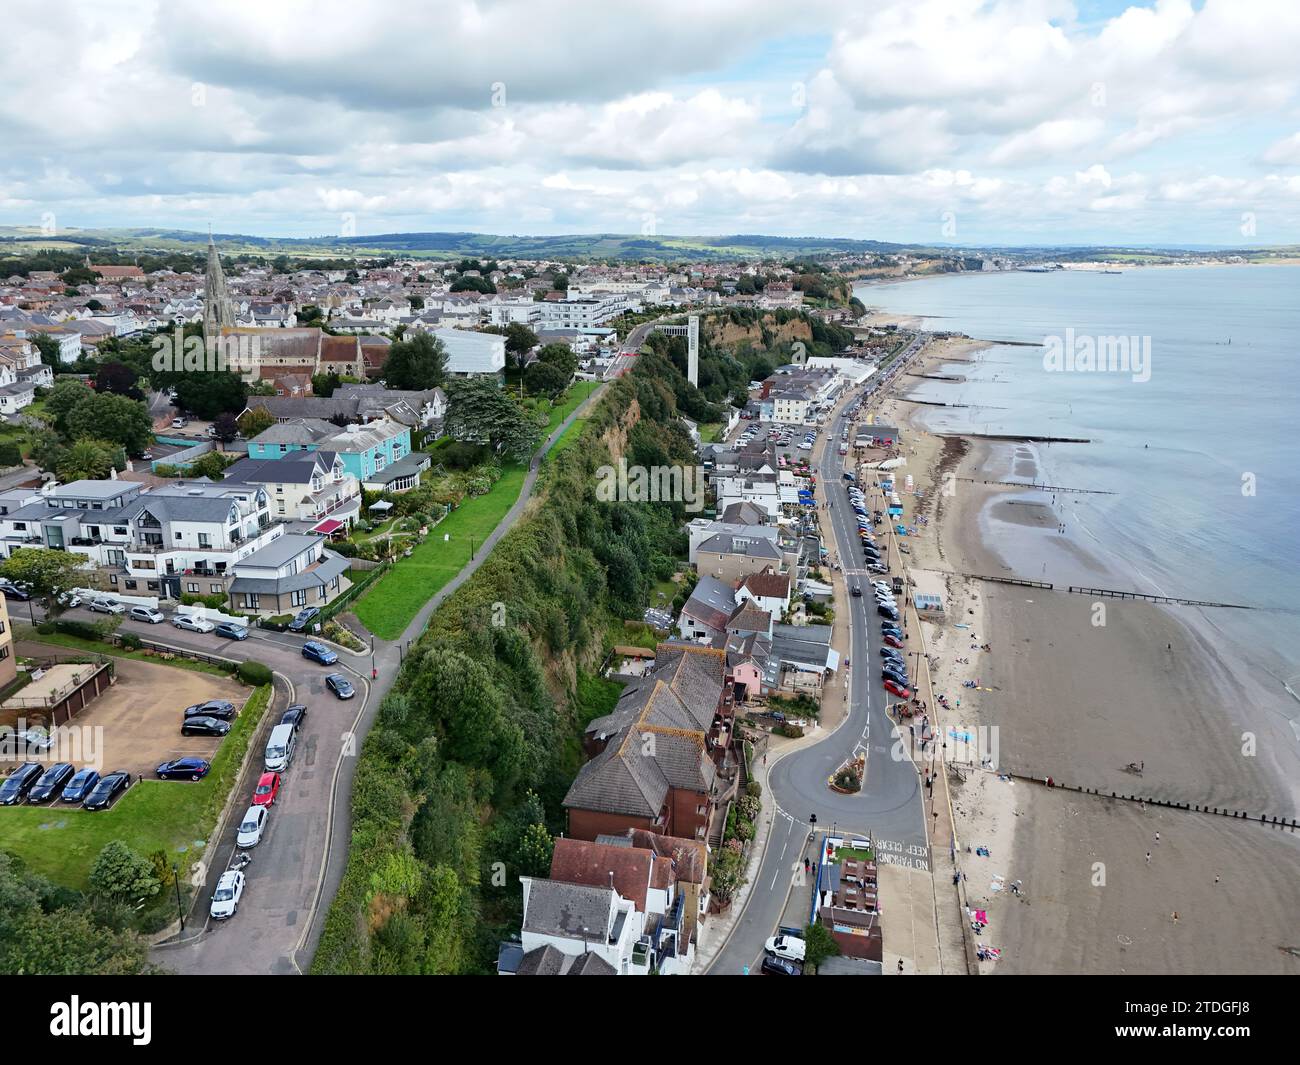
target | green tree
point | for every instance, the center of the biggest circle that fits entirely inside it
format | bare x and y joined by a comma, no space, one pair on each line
63,397
480,412
417,364
226,426
208,394
560,355
48,347
87,459
114,418
819,944
536,848
546,378
255,421
119,873
520,340
44,572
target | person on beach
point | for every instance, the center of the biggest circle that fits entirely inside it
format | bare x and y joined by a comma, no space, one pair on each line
1148,857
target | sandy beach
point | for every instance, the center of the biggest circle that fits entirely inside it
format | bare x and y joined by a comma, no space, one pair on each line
1078,700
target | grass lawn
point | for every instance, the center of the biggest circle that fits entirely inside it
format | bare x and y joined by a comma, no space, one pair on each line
177,817
568,437
393,600
710,432
27,632
577,393
853,854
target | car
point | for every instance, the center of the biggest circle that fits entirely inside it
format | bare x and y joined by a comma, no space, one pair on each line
318,652
885,600
857,592
218,708
69,600
147,614
191,624
882,585
788,947
188,768
225,899
81,785
891,640
28,739
268,788
295,715
105,606
18,783
231,631
51,781
303,618
876,567
888,628
897,689
147,456
340,686
180,423
103,793
14,591
780,967
887,611
251,827
897,676
204,726
889,652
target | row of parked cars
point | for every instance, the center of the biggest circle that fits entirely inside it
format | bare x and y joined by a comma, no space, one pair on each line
871,555
36,782
276,758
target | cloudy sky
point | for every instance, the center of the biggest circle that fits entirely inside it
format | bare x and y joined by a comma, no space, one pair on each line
1024,121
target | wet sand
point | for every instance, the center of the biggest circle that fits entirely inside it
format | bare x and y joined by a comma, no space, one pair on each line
1078,700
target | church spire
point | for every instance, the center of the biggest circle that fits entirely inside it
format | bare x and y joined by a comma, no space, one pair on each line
218,312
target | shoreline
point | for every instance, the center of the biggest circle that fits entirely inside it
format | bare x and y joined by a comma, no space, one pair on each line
1079,701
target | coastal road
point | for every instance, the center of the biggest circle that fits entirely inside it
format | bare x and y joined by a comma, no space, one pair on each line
890,805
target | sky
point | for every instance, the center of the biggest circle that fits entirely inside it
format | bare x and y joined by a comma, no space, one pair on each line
954,121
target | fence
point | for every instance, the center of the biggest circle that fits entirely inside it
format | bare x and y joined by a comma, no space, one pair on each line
375,571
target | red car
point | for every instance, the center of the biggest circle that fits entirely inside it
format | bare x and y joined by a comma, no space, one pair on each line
892,641
896,689
268,787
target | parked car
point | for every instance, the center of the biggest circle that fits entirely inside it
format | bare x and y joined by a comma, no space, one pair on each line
780,967
27,740
789,947
230,631
146,614
14,591
188,768
51,781
897,689
340,686
887,611
189,624
204,726
18,783
267,790
891,640
69,600
251,827
106,790
225,899
218,708
303,618
318,652
81,785
295,715
105,606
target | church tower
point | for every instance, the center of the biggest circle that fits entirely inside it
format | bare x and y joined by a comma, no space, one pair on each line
218,312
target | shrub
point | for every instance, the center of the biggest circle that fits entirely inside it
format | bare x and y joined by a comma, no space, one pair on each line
819,945
345,548
790,731
212,602
130,641
120,873
754,789
84,629
254,673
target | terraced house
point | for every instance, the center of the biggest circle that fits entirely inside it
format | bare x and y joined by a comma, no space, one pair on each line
366,451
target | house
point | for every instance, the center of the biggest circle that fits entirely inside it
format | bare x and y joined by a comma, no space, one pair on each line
471,354
361,403
365,450
294,572
568,926
705,615
769,590
8,661
662,760
306,485
733,556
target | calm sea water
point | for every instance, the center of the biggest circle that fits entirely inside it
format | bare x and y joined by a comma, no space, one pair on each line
1203,457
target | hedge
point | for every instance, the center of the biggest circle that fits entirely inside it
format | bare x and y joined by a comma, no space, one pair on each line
254,674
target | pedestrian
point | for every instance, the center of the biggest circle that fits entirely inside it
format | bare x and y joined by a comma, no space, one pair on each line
1157,837
1216,878
956,878
1174,915
900,965
1015,887
1148,857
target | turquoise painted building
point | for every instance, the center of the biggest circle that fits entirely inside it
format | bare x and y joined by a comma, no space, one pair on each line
364,449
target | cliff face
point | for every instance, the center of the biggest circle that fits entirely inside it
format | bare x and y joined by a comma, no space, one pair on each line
762,334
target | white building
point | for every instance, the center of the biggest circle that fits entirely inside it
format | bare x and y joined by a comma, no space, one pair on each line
471,354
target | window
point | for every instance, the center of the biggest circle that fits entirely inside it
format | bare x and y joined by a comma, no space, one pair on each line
3,626
131,585
215,588
205,540
299,597
192,586
4,652
178,536
250,600
119,530
112,579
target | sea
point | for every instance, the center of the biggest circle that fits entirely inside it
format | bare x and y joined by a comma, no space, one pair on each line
1196,433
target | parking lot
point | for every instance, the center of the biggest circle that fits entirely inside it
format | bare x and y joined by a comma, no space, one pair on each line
138,719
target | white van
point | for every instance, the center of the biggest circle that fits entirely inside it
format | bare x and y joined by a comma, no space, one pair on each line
279,748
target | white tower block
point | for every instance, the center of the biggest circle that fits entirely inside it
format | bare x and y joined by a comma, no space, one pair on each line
693,349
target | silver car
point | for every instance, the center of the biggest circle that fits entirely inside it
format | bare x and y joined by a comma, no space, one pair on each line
190,624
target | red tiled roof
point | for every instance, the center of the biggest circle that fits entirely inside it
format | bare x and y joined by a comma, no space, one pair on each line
576,861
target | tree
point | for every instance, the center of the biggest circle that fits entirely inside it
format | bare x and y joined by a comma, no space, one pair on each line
480,412
94,305
87,460
63,397
117,379
208,394
119,873
520,340
324,384
417,364
114,418
48,347
254,421
560,355
560,282
546,378
43,571
819,944
225,426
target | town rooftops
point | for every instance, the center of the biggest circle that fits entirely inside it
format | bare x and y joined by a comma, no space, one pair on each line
626,869
569,911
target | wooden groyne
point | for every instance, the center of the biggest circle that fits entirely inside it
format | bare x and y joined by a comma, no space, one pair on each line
932,403
1269,820
1040,487
1144,597
1019,581
1012,438
938,376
